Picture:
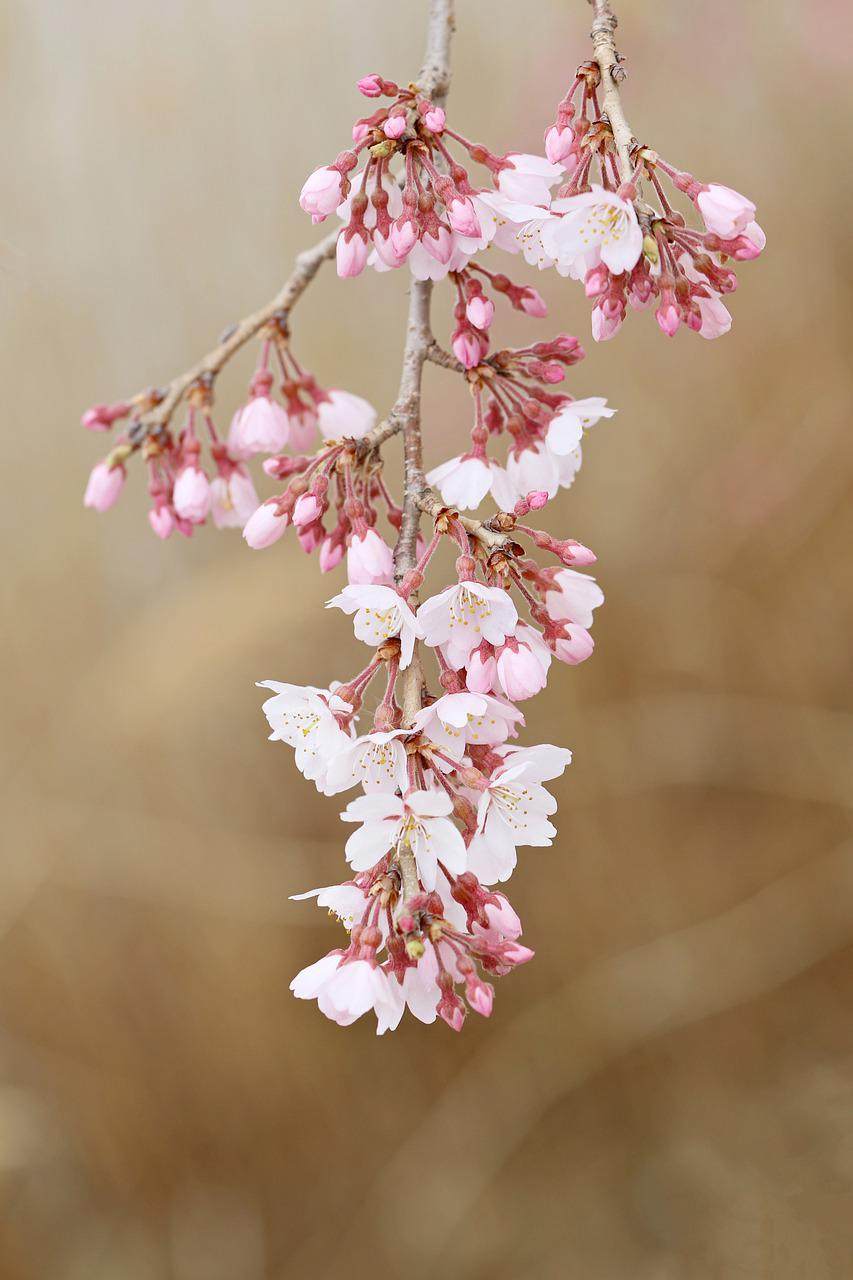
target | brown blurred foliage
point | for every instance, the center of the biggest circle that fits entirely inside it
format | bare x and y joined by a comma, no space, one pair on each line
665,1094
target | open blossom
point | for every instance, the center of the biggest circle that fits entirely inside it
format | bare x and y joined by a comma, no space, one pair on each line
344,989
572,596
344,414
594,226
515,809
232,500
528,178
377,761
261,426
463,615
463,482
459,719
304,718
380,613
420,821
569,423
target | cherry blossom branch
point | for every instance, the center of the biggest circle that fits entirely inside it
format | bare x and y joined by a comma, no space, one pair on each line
305,268
612,74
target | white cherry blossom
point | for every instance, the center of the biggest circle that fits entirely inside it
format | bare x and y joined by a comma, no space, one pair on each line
457,719
514,810
419,821
304,718
380,613
461,617
573,596
376,760
597,225
566,428
463,482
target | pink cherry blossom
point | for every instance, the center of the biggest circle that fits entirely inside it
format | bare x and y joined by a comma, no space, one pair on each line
725,212
264,527
369,560
343,414
322,191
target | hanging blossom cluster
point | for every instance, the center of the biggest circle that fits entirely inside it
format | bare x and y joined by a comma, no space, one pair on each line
627,249
422,740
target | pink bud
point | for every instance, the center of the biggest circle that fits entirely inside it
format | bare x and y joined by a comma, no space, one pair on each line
575,553
306,511
264,527
404,234
435,119
360,131
439,246
515,953
466,348
161,521
480,996
191,495
480,311
482,669
668,318
104,486
369,560
351,255
331,554
503,917
537,499
725,212
559,144
394,127
520,673
370,86
532,302
575,646
463,218
322,192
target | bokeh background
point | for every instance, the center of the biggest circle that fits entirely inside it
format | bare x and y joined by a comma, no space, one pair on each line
666,1093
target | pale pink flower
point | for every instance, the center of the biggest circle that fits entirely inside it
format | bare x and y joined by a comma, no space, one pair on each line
370,560
343,414
566,429
514,810
302,427
304,718
528,178
191,494
322,192
103,487
595,225
463,219
463,482
264,527
232,500
261,426
463,615
575,647
520,672
419,822
331,554
482,671
572,596
347,901
380,613
725,212
457,719
375,760
531,470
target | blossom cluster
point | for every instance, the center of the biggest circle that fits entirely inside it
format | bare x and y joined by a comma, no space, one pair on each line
425,733
186,487
447,796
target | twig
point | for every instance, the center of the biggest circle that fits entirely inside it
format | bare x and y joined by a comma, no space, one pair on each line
612,74
305,268
491,539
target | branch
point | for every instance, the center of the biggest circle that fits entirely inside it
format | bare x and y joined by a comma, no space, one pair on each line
305,268
612,74
490,538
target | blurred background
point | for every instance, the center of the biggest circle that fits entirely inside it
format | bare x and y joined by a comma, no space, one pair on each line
666,1093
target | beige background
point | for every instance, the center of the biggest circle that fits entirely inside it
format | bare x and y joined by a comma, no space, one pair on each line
666,1093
